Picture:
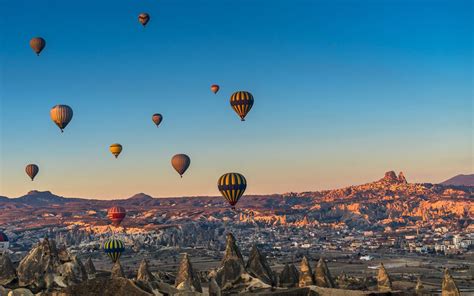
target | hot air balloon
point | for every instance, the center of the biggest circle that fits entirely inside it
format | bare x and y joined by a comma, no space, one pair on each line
32,170
180,163
232,186
144,18
114,248
115,149
4,242
157,118
215,88
116,215
61,115
241,102
37,44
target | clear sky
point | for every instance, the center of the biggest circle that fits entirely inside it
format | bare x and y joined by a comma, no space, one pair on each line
344,91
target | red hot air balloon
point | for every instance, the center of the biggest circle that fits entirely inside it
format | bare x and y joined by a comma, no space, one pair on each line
215,88
116,215
157,118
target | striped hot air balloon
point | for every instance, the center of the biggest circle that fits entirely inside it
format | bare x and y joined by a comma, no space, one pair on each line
115,149
61,115
116,215
241,102
232,186
32,170
215,88
157,118
144,18
114,248
37,44
180,163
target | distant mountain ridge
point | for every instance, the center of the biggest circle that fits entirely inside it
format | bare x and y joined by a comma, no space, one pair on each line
460,180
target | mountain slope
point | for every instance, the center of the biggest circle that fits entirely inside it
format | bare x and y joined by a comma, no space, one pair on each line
460,180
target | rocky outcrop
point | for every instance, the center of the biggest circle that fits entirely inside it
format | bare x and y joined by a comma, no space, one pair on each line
401,178
144,274
7,270
20,292
306,274
4,291
258,267
186,278
389,178
72,272
322,276
384,284
420,288
90,268
289,276
448,286
105,287
214,289
232,265
117,271
41,260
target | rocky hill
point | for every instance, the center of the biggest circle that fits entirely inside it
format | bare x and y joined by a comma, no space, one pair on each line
460,180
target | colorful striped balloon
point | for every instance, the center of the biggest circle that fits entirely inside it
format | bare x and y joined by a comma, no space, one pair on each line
32,170
232,186
241,102
116,215
115,149
61,115
114,248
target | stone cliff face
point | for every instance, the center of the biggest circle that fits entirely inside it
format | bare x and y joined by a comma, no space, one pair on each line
306,274
448,286
186,279
258,267
7,270
322,275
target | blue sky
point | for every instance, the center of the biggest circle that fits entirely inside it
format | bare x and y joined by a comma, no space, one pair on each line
344,90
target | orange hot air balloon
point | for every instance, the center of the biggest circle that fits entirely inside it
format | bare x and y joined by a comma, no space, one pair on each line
116,149
215,88
241,102
61,115
180,163
37,44
157,118
32,170
116,215
144,18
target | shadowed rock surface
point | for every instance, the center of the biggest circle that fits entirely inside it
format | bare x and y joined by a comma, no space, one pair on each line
72,272
104,287
420,288
214,289
232,265
144,274
448,286
289,276
186,279
117,271
384,284
20,292
7,270
258,267
306,274
322,275
90,268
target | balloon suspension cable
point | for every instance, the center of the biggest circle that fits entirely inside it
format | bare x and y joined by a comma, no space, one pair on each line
181,176
62,131
116,156
242,119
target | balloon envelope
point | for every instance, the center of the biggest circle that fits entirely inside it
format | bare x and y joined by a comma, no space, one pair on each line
144,18
116,215
115,149
215,88
241,102
232,186
32,170
37,44
114,248
180,163
61,115
157,118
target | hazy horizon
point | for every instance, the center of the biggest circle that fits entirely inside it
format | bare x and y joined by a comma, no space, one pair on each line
344,91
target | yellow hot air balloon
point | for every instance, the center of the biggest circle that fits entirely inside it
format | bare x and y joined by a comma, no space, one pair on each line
115,149
61,115
144,18
37,44
232,186
180,163
241,102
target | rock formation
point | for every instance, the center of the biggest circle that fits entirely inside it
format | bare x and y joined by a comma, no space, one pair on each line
289,276
419,289
144,274
384,283
90,268
389,178
72,272
186,279
401,178
104,286
322,275
214,289
7,270
117,271
41,259
20,292
306,274
232,265
257,266
448,286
